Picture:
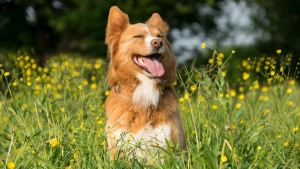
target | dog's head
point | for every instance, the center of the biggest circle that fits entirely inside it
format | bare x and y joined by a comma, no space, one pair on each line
139,48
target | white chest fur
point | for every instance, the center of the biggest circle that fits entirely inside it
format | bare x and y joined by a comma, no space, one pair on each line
146,93
146,136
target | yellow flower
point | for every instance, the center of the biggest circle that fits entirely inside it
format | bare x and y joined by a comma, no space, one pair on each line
28,72
93,78
232,93
100,122
214,107
130,137
224,74
241,96
75,155
242,121
28,83
245,76
261,127
219,62
259,148
279,136
6,74
238,105
272,73
227,95
295,129
296,145
278,51
292,82
203,45
85,82
97,66
224,158
193,88
33,151
266,111
106,93
221,95
210,61
264,89
233,126
289,103
232,51
198,76
74,140
241,89
181,99
286,144
220,56
15,84
93,86
289,91
11,165
53,142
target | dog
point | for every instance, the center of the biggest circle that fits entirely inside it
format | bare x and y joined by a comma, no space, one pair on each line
142,102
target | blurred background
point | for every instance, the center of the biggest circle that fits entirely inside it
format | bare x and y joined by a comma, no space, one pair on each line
48,27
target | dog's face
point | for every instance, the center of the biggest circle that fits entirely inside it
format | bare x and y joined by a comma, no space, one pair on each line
139,48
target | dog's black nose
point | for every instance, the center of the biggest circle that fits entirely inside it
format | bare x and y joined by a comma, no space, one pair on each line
157,43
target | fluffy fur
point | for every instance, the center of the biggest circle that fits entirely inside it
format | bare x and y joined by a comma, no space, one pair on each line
140,99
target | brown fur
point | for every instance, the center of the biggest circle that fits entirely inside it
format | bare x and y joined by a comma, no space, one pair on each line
123,79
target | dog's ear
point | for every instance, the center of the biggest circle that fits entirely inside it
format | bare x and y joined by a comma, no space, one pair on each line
117,22
158,22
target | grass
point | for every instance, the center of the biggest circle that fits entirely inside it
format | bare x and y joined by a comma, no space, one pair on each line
54,117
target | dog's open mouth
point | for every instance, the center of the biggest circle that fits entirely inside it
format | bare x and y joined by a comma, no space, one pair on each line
151,63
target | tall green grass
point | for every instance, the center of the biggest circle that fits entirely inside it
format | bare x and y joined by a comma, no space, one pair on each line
54,117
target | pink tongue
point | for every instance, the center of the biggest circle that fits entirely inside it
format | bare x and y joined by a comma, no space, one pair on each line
154,67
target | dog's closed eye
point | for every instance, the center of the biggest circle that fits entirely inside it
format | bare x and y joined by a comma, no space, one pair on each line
138,36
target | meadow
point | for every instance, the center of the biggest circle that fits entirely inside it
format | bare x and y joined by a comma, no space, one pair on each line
54,117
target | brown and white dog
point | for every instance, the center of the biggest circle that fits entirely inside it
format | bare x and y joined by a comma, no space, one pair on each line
142,68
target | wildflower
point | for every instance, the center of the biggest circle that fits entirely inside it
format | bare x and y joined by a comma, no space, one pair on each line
227,95
233,126
286,144
289,91
238,105
232,51
11,165
232,93
74,140
242,121
292,82
272,73
279,136
93,78
256,84
97,66
278,51
106,93
155,144
224,74
198,76
241,96
259,148
129,138
245,76
53,142
210,61
202,98
15,84
194,132
215,127
193,88
261,127
181,99
203,45
266,111
289,103
220,56
221,95
93,86
248,148
100,122
296,145
85,82
76,155
295,129
241,89
33,151
214,107
264,89
6,74
175,83
224,158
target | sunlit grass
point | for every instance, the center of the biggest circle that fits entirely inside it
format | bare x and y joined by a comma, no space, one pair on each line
54,116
